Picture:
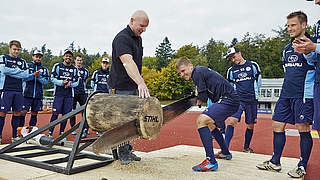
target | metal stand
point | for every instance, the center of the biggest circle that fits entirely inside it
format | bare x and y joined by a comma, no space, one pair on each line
74,154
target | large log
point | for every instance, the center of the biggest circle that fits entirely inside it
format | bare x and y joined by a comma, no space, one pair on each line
105,112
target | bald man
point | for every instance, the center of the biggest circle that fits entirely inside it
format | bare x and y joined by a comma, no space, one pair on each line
125,75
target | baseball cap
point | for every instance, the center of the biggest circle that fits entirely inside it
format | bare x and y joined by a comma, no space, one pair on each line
35,52
105,60
232,51
68,51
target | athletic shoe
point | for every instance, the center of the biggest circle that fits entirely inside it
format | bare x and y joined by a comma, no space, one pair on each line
88,132
100,133
0,140
14,139
269,166
74,133
219,155
124,158
49,135
134,157
206,165
297,172
84,134
248,150
64,139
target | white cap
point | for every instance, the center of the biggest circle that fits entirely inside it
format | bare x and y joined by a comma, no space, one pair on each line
105,60
37,52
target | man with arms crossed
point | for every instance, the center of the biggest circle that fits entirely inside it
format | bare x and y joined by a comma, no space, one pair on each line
80,95
13,70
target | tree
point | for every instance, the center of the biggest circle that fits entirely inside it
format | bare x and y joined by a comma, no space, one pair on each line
188,51
149,62
168,84
214,52
164,54
234,42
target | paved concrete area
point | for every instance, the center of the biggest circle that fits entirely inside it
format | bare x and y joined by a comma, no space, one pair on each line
170,163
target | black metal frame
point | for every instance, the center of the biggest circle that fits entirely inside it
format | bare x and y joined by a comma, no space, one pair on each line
72,155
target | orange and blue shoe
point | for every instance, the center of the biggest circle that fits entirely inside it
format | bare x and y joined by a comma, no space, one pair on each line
219,155
206,165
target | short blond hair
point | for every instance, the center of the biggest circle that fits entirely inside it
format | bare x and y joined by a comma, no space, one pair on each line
15,42
182,61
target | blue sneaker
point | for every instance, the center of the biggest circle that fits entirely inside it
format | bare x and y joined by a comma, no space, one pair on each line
206,165
219,155
84,134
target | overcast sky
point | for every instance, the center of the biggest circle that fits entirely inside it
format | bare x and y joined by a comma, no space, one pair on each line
94,23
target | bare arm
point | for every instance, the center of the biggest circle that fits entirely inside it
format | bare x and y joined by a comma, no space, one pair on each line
134,74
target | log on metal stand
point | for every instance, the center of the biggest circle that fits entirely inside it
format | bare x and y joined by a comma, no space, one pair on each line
105,112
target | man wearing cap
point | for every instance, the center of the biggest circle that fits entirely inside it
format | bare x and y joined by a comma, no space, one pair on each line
245,77
100,77
13,70
125,76
80,95
33,88
65,77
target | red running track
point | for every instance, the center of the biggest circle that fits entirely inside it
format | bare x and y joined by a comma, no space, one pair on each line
182,131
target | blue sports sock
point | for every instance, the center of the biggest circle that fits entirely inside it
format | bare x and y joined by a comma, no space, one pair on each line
33,120
53,118
306,144
72,121
206,138
279,140
15,124
229,135
1,124
219,138
248,137
63,126
22,121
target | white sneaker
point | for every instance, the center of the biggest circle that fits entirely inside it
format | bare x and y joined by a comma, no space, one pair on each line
297,172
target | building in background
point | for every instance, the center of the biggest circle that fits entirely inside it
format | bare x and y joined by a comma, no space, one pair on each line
269,94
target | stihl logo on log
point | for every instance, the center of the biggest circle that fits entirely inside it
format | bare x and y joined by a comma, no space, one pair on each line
151,119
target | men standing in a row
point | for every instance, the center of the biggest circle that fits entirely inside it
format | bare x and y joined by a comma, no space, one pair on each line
80,94
245,77
65,77
13,70
295,104
125,76
33,90
100,77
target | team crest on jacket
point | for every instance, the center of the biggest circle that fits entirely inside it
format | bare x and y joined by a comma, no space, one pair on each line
71,70
242,75
293,58
248,68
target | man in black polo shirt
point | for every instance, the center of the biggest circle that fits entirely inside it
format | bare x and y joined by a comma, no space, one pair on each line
125,77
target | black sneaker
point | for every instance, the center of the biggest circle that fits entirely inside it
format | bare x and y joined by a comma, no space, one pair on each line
248,150
134,157
124,158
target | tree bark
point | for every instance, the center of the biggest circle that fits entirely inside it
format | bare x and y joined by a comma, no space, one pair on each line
105,112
